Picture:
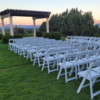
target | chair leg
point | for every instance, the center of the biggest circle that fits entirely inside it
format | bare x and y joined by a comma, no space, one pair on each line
34,61
43,65
78,67
82,67
48,66
59,73
38,61
57,65
76,71
54,64
91,89
87,65
27,55
71,71
66,75
31,56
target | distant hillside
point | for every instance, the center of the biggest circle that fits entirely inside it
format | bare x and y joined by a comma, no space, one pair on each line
21,26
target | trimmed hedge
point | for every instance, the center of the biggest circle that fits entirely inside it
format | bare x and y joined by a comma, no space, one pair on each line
96,35
47,35
52,35
55,35
1,36
39,34
5,38
17,36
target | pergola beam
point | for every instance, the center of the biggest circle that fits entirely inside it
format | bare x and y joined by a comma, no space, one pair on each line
5,16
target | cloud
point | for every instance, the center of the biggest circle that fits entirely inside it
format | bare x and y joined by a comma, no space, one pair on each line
4,24
96,21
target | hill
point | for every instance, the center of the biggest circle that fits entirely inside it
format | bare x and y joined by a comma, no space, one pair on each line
21,26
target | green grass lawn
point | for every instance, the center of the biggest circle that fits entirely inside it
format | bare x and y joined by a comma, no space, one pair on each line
20,80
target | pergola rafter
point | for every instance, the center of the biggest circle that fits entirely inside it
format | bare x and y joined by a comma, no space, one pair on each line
24,13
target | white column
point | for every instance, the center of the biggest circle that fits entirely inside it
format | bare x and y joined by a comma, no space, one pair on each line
34,27
11,26
2,23
47,25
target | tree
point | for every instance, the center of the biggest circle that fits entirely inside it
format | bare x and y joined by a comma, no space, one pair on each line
29,31
20,30
76,23
73,22
43,27
54,23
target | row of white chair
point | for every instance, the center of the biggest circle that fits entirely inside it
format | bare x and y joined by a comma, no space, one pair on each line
61,55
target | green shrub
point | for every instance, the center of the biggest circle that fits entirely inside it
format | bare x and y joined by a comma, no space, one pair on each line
96,35
5,38
17,36
55,35
7,33
1,36
39,34
52,35
47,35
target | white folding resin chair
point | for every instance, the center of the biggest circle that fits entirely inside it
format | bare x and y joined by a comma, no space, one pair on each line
50,60
83,60
40,53
93,55
68,63
92,76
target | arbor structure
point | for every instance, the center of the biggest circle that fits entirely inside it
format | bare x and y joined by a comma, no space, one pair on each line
26,13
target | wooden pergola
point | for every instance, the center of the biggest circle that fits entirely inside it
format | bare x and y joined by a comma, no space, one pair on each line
26,13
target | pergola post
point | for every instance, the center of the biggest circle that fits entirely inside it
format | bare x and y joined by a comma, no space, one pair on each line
47,25
11,26
2,24
34,27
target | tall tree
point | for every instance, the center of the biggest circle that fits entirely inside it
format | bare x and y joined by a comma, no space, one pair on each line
43,27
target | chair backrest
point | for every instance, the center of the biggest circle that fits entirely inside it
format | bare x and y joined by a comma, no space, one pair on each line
84,54
68,57
83,48
63,50
52,52
93,52
76,49
40,49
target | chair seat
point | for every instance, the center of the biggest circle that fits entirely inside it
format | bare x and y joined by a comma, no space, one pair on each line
42,50
18,46
96,69
49,58
67,64
82,61
60,56
25,48
39,54
93,74
93,58
31,51
74,50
